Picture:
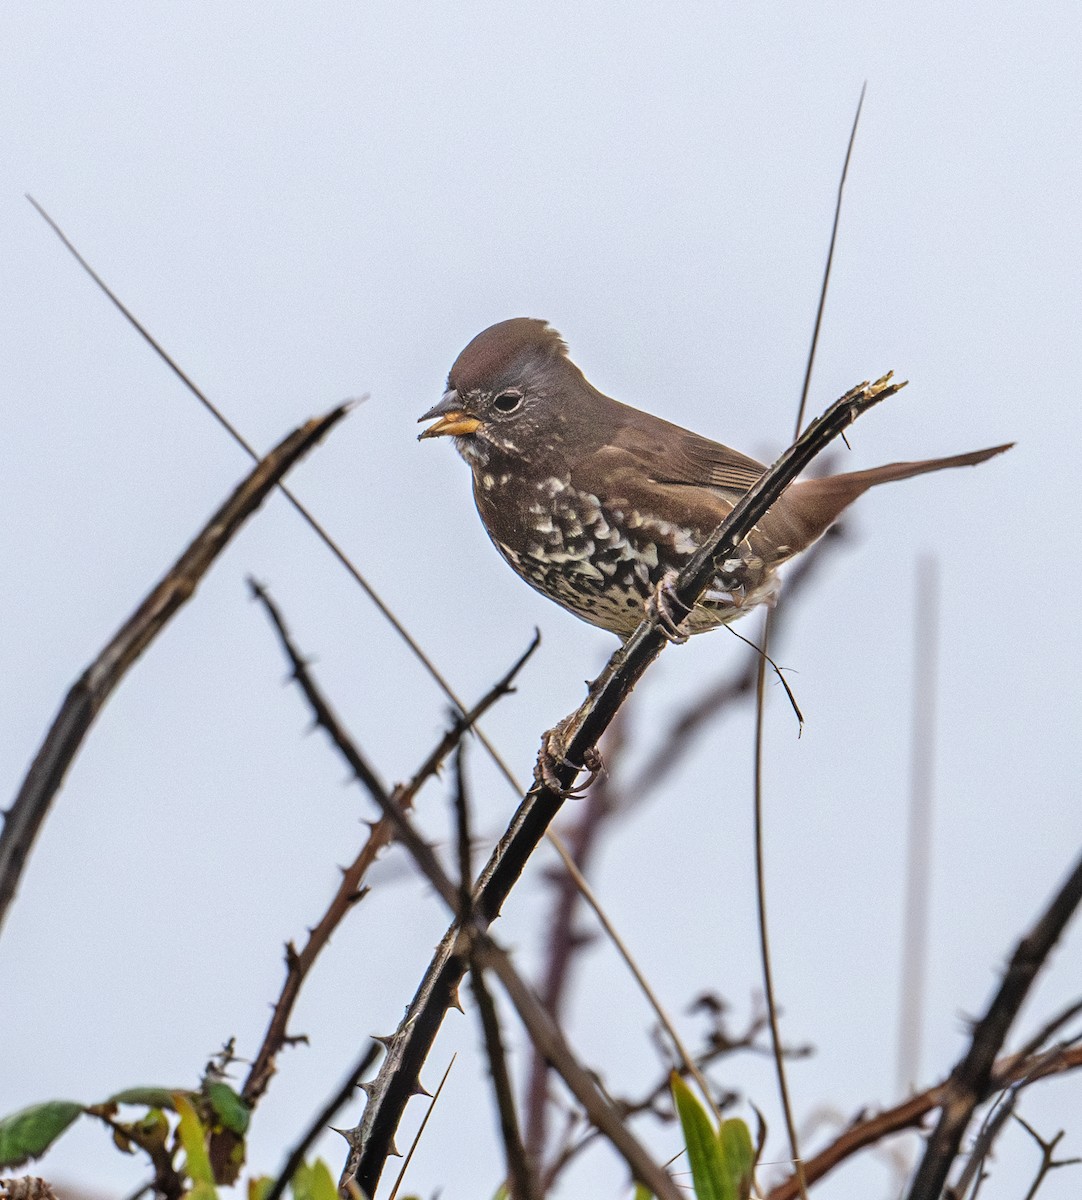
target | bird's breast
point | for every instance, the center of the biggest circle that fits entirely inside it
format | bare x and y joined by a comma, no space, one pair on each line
598,561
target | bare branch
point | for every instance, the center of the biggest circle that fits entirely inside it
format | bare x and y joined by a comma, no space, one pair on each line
299,963
830,262
910,1114
389,803
761,922
91,690
1048,1160
546,1035
968,1083
522,1183
402,1082
521,1178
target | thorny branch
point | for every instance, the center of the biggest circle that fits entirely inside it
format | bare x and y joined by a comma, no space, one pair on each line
381,833
969,1081
910,1114
474,940
580,733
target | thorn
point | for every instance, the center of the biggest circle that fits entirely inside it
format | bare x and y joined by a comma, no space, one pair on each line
419,1089
366,1087
456,1001
386,1041
393,1151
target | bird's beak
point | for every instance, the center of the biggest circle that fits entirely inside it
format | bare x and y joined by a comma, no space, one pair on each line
452,420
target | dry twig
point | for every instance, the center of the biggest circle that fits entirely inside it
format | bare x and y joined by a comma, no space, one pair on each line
969,1081
910,1113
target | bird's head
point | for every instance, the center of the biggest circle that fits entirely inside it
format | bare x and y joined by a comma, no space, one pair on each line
505,392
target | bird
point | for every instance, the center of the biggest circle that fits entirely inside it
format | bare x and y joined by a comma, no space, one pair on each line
598,505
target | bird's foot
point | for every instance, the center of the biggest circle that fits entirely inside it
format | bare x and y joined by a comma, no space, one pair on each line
553,755
667,610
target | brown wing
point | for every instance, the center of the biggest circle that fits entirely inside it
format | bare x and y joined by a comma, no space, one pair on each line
697,460
667,453
669,474
622,481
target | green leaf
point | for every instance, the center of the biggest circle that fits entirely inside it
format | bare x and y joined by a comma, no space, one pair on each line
193,1139
642,1192
229,1108
708,1172
314,1182
738,1155
259,1188
151,1097
30,1132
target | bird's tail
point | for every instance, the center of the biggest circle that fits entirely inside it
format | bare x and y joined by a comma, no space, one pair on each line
821,501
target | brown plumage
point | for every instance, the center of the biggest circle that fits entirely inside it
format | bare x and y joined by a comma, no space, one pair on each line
597,504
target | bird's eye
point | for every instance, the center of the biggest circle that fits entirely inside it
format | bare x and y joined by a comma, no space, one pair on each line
507,402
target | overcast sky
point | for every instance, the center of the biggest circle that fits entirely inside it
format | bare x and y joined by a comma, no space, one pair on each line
311,202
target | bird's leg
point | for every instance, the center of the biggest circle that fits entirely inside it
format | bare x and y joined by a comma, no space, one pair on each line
667,610
553,754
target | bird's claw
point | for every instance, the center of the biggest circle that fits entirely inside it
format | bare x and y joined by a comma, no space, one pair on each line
667,610
553,756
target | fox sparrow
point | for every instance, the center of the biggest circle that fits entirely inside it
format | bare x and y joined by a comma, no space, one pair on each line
598,505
